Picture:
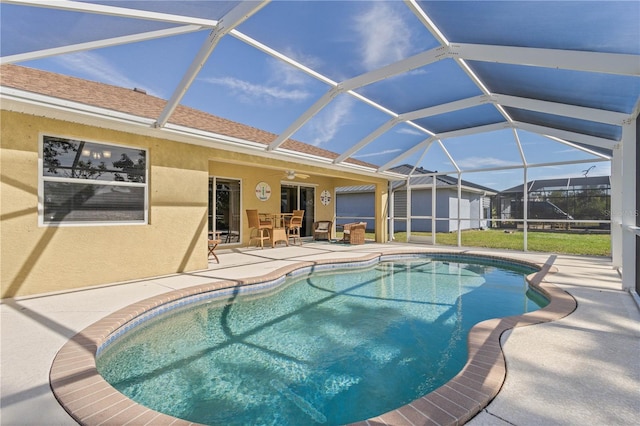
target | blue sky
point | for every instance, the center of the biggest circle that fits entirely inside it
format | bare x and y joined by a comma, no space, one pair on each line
338,39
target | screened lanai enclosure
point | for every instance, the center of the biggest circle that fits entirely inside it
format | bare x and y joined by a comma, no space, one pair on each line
493,93
579,204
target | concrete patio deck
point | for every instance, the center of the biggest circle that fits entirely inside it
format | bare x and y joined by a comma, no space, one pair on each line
581,369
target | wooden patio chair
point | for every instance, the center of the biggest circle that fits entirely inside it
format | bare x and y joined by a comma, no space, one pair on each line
294,225
213,243
260,227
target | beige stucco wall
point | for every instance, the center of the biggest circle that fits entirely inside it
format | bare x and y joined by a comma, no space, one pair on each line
36,259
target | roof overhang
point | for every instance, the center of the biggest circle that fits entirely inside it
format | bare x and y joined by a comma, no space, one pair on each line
36,104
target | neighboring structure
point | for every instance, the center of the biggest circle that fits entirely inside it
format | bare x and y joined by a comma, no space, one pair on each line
585,200
356,202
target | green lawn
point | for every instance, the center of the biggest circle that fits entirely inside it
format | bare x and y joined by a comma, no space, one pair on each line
554,242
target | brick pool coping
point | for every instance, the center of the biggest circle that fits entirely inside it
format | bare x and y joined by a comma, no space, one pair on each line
90,400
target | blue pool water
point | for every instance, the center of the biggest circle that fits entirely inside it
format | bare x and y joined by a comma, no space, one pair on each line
328,348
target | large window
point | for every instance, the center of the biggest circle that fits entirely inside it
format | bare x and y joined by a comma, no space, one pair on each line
88,182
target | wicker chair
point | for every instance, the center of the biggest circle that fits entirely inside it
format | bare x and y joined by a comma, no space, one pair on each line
260,226
322,230
294,226
354,232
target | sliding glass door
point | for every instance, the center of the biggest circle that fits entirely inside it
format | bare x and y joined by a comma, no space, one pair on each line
297,197
224,208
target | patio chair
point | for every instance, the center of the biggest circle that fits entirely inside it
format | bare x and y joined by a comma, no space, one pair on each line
232,237
294,226
260,227
354,232
212,244
322,230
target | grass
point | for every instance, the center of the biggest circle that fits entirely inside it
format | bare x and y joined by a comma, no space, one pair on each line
553,242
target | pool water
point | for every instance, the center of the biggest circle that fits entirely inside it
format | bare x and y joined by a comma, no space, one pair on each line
328,348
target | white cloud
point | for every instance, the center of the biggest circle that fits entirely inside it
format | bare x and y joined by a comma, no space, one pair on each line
565,151
389,42
98,68
284,83
326,124
478,162
288,75
250,92
379,153
575,171
576,151
604,169
410,131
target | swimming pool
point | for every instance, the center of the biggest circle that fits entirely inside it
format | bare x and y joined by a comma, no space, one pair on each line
330,347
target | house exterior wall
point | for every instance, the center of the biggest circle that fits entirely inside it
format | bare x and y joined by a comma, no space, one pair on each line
446,208
475,210
38,259
465,212
421,206
355,205
360,204
400,204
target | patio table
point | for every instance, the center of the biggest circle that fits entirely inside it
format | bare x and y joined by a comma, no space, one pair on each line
278,233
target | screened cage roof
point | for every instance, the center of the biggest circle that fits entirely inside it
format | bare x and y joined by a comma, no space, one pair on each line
453,86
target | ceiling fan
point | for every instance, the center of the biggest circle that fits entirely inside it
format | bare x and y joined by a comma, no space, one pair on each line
291,174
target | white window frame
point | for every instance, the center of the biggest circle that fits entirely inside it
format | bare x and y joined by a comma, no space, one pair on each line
242,218
42,179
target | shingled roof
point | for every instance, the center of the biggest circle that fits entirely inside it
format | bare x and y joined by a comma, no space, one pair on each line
134,102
